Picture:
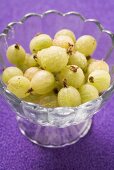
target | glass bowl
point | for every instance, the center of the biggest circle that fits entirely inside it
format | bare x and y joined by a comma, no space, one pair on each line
61,126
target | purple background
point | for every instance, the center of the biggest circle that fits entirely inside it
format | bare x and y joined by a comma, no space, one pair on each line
96,150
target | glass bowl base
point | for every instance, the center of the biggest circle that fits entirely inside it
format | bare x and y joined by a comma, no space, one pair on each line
51,136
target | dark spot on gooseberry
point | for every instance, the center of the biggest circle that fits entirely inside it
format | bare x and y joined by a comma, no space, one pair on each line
65,83
34,56
30,90
3,69
70,49
70,45
91,79
88,57
73,68
34,50
17,46
100,93
42,68
55,90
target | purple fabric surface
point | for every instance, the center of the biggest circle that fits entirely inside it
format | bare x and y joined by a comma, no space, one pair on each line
93,152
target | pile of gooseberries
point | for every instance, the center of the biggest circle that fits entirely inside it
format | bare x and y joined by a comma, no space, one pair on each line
58,72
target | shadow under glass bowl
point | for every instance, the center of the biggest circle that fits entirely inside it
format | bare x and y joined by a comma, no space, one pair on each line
61,126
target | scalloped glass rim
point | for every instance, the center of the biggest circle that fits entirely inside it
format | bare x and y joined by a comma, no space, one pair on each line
103,97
